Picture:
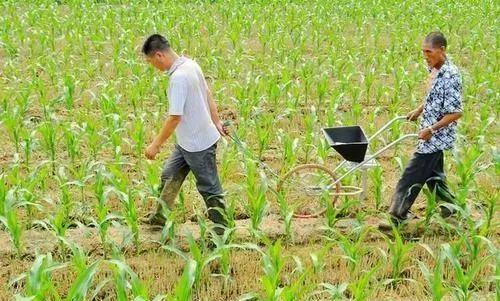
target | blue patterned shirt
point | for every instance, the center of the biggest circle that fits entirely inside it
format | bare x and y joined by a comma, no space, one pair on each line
444,97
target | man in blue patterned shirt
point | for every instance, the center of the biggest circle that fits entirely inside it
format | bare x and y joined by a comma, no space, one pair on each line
441,110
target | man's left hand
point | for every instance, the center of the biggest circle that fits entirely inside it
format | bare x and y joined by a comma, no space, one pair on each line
425,134
221,128
151,151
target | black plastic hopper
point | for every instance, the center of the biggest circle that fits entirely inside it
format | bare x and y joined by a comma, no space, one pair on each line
349,141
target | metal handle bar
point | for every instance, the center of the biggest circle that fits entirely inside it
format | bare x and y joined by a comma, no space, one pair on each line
386,126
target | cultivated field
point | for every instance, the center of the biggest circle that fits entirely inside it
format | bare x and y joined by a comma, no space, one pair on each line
78,106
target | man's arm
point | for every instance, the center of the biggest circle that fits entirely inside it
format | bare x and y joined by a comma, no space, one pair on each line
165,133
413,115
426,133
446,120
214,114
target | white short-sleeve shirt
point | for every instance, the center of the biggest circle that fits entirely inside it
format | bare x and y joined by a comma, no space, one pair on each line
188,97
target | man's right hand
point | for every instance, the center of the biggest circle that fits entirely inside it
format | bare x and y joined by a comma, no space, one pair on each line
222,128
151,151
413,115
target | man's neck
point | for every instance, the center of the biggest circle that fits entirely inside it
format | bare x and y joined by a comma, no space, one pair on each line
174,57
440,64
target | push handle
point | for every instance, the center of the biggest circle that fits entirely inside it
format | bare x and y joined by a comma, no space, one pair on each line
386,126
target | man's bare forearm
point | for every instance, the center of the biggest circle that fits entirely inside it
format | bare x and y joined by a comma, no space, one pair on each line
167,129
214,114
446,120
420,109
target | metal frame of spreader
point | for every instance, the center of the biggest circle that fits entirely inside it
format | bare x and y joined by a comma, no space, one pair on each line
367,163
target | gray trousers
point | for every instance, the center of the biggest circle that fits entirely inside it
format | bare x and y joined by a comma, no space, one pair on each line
422,169
204,167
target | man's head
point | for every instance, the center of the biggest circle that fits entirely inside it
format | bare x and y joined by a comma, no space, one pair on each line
434,49
158,53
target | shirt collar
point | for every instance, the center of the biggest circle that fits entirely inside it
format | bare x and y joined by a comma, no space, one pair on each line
179,61
443,68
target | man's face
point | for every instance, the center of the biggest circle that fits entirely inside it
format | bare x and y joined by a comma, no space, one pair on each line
433,55
158,60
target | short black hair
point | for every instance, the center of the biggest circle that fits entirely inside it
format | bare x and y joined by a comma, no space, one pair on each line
437,39
155,42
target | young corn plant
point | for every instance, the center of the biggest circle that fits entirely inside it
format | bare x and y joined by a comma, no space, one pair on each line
184,288
431,205
286,213
298,290
334,292
353,248
93,137
58,223
13,124
361,288
139,137
434,276
290,147
310,122
467,169
464,275
223,249
126,194
152,174
3,194
333,214
27,144
197,255
256,188
103,215
10,219
169,229
272,263
399,251
72,141
263,131
378,184
115,135
39,284
81,287
48,131
318,259
69,91
127,283
130,214
490,209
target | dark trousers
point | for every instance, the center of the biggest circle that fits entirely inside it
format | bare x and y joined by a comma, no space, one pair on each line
422,169
204,167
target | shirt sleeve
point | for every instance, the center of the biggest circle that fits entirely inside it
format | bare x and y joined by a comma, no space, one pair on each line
453,95
177,94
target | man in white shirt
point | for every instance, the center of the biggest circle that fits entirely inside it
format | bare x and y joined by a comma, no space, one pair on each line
193,116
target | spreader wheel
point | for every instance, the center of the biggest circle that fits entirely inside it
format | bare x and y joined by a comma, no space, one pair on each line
308,188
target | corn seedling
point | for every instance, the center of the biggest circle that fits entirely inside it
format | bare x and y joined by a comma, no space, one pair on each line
39,284
434,276
49,141
127,283
464,275
399,253
353,248
256,188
